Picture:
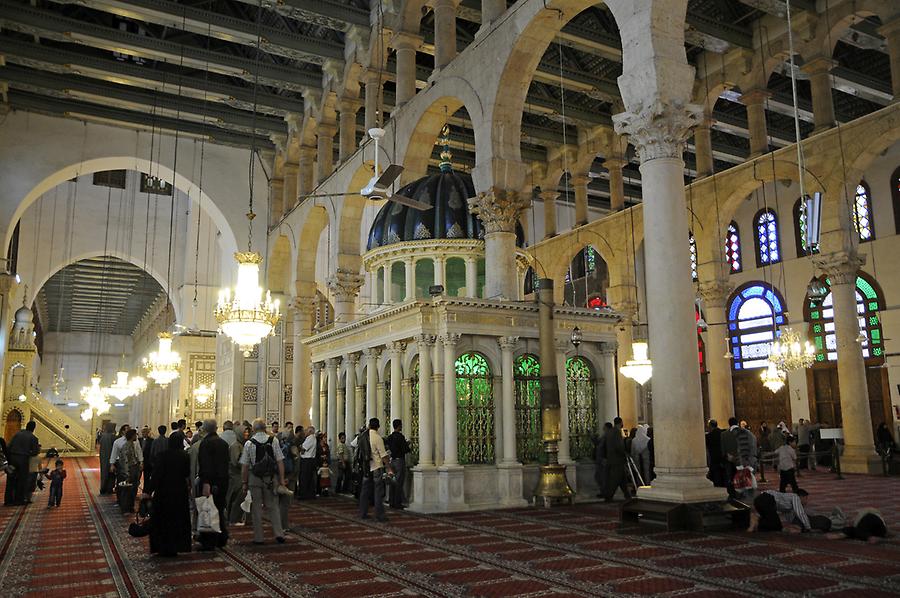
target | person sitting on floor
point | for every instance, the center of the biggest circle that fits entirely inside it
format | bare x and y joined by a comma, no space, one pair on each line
770,506
868,526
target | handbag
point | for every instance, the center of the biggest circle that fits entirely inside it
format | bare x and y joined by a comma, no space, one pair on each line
743,479
140,527
207,516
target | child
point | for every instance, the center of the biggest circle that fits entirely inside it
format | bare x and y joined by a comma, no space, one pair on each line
56,484
786,457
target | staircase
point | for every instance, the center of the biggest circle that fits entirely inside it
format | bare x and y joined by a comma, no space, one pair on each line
55,420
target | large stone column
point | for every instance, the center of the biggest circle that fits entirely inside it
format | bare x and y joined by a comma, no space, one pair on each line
471,277
615,168
344,286
580,185
388,298
451,449
325,151
658,128
444,32
703,147
315,393
891,32
608,399
331,370
755,101
409,270
842,268
350,395
395,352
437,379
306,179
499,211
549,199
406,45
440,263
302,311
565,453
721,393
347,107
426,413
508,400
371,357
374,89
819,71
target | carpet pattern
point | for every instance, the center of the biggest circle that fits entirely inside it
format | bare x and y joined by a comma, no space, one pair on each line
83,549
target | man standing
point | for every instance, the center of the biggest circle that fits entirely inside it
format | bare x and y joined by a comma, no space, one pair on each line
212,460
730,454
615,462
118,472
262,469
343,464
308,465
107,438
275,431
714,453
228,434
146,443
23,446
801,432
399,448
371,445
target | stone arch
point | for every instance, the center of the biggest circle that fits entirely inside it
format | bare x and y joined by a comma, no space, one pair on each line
838,19
314,224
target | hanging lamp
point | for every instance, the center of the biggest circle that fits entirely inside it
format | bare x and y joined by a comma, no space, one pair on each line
95,397
163,365
203,394
772,377
639,368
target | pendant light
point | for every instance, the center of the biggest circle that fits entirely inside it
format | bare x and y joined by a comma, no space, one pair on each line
773,378
248,314
163,365
639,368
791,352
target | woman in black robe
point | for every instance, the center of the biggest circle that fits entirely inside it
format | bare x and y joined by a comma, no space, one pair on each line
170,516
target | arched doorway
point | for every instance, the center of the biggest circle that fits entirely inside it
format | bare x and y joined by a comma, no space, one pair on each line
13,424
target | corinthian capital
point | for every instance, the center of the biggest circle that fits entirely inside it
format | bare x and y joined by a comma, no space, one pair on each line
658,130
345,284
841,267
508,343
715,293
499,209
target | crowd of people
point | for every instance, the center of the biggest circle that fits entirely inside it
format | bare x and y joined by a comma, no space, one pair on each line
27,471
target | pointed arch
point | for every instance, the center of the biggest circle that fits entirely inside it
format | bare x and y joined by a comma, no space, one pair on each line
755,311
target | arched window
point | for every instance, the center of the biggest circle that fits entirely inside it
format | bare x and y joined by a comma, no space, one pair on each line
895,198
693,249
528,409
531,281
475,409
587,279
869,301
582,408
733,248
800,230
862,213
768,245
754,312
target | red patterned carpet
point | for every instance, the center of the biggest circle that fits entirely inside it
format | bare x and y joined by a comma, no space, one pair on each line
82,549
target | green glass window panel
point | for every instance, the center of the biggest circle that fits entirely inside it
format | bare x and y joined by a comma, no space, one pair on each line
815,315
875,334
820,343
873,305
528,409
386,416
820,357
865,288
877,352
582,411
817,328
475,410
413,457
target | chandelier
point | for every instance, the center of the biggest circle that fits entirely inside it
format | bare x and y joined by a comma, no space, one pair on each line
164,364
790,352
639,368
95,397
203,394
138,384
772,377
122,388
246,317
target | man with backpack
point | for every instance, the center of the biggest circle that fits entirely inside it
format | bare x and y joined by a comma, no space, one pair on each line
262,472
374,459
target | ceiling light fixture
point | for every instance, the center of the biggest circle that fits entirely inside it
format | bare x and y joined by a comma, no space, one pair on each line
163,365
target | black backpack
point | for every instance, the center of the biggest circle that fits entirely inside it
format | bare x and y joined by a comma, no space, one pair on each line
363,452
265,465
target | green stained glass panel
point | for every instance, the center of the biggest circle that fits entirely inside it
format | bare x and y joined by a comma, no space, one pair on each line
582,411
413,457
528,409
475,410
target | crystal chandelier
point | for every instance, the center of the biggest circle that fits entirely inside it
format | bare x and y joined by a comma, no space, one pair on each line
772,377
790,352
639,368
247,318
138,384
164,364
203,394
122,388
95,397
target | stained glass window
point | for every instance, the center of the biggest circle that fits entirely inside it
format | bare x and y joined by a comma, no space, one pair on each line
528,409
475,409
733,248
413,457
768,246
590,259
753,314
582,410
693,248
821,317
862,213
386,416
532,284
800,230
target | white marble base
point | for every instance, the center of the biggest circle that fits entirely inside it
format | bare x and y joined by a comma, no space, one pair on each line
451,489
509,485
862,461
682,489
425,492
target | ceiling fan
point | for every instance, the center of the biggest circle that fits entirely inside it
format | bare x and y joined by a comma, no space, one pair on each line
378,187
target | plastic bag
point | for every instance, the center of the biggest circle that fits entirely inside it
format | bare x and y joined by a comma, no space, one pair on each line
743,479
207,516
248,500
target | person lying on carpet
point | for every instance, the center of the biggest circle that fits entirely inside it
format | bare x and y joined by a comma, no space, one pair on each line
770,506
868,526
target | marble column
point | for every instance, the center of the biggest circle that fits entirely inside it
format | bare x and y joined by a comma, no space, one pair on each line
374,82
395,351
444,32
891,32
440,263
371,357
347,108
499,211
340,409
508,401
437,379
344,286
703,147
755,101
549,199
379,401
819,71
409,270
580,185
565,452
721,393
859,456
451,449
325,151
608,398
331,370
302,311
351,359
471,277
658,131
360,409
615,166
406,402
315,394
406,44
425,342
388,299
306,179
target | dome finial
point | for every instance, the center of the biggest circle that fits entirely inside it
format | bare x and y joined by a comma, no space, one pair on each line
446,156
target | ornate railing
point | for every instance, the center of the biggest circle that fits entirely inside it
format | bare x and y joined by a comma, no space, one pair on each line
43,411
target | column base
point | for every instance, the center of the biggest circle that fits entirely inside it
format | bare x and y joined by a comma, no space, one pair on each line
425,489
571,473
451,488
675,488
509,485
860,460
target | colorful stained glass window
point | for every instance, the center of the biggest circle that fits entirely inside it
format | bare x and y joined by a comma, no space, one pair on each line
413,457
582,409
693,248
821,317
754,312
862,213
475,409
733,248
532,282
528,409
590,259
768,245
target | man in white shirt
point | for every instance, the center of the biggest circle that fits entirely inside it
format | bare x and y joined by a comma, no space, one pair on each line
308,465
260,448
373,480
770,507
